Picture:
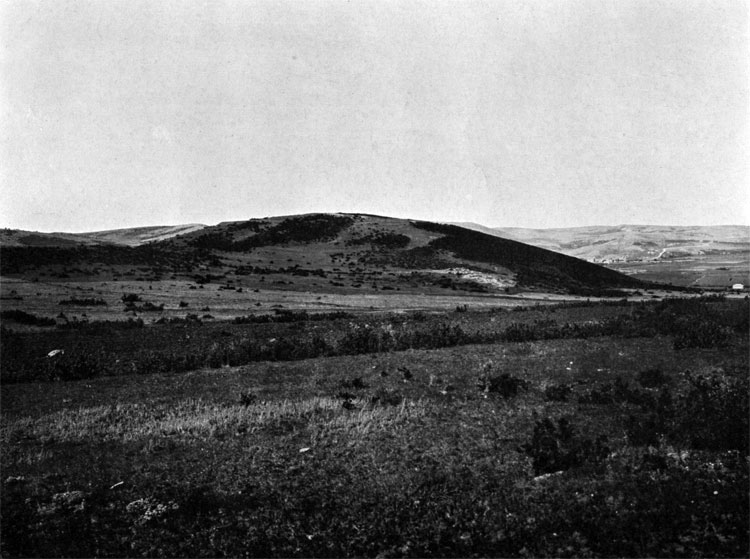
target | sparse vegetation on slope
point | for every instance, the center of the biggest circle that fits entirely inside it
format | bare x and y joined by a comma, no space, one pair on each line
362,245
297,229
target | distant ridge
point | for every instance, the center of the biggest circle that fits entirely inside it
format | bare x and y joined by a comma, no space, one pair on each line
126,237
625,243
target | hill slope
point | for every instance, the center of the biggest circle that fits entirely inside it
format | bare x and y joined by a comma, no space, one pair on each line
142,235
348,250
21,238
328,241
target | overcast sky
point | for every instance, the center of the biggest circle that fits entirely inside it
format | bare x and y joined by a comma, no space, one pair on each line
525,113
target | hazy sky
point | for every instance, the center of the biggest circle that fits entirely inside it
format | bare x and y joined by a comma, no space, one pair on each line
546,113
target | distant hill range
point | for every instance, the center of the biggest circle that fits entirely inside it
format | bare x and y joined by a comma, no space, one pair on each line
356,245
128,237
630,243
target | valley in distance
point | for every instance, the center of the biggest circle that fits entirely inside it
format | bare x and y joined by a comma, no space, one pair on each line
356,385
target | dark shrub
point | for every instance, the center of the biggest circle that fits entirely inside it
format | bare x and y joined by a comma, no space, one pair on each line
558,392
702,334
382,239
344,395
86,302
298,229
354,384
505,384
76,365
247,398
216,241
130,298
386,397
282,315
363,339
520,333
714,413
649,429
26,318
652,378
555,447
434,336
418,316
99,325
710,413
598,395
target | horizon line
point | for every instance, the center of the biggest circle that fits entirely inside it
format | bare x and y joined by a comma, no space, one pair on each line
450,222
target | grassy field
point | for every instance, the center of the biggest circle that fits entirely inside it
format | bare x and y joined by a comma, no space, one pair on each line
579,429
703,271
44,299
178,298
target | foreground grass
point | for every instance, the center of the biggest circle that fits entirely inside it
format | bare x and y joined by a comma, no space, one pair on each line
395,454
191,420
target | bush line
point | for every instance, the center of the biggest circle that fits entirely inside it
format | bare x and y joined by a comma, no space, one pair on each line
692,323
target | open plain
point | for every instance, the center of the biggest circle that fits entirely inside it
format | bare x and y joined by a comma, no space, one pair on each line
385,397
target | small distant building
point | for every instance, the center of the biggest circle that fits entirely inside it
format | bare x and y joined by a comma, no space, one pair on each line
738,287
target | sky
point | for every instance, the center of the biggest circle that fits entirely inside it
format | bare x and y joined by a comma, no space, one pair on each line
509,113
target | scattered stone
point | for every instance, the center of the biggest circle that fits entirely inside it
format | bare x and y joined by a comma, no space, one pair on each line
15,480
545,477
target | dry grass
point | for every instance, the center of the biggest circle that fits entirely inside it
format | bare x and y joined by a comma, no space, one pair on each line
197,419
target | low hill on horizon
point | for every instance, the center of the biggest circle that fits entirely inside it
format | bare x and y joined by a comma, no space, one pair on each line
352,249
629,243
133,236
715,256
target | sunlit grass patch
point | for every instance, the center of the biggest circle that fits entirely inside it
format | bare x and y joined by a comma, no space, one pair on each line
198,419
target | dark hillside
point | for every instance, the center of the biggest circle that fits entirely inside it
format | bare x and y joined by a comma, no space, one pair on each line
534,265
20,259
298,229
377,242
